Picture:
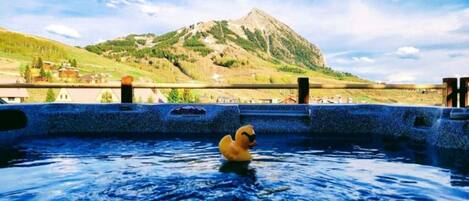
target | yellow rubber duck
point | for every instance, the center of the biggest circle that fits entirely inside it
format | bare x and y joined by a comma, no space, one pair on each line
238,149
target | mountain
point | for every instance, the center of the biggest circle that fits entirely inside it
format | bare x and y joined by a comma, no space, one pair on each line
237,50
277,39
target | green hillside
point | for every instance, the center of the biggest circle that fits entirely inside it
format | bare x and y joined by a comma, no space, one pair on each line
23,48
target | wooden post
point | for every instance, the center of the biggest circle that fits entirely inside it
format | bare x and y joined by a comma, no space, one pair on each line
450,94
303,90
126,89
463,92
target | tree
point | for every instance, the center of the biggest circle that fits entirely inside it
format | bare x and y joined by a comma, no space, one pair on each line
189,97
42,73
150,99
39,63
73,63
186,96
174,96
106,97
28,76
49,76
50,96
33,63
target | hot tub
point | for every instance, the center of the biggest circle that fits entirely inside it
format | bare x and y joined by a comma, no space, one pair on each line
310,152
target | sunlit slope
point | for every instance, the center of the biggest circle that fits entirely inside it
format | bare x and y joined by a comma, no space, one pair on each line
22,48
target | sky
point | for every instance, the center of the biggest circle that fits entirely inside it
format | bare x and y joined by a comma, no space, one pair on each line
393,41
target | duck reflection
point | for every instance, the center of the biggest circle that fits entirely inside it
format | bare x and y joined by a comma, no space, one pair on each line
239,168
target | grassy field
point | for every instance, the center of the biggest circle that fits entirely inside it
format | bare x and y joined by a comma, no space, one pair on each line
22,48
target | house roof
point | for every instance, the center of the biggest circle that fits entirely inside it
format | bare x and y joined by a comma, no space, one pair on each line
94,75
82,95
13,92
288,99
66,68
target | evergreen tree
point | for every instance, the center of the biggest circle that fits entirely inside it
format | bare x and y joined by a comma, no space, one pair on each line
39,63
42,73
28,75
189,97
50,96
49,77
33,63
73,63
174,96
150,99
186,96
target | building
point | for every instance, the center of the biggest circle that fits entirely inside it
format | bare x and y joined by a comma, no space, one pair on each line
67,95
68,72
13,95
72,95
95,78
48,66
268,100
288,100
225,99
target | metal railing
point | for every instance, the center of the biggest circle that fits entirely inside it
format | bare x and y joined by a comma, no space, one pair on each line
227,86
449,88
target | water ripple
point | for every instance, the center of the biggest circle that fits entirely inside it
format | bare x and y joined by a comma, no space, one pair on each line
120,169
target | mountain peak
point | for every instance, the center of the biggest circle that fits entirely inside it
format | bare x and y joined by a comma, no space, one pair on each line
258,13
258,19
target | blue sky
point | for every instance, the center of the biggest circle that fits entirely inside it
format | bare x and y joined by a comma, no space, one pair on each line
397,41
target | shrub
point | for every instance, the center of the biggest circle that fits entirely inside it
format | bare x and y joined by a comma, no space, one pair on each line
291,69
225,61
194,44
337,74
165,37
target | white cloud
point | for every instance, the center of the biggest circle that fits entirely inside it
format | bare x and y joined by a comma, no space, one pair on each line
401,77
63,30
408,52
150,10
116,3
344,59
363,59
111,5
